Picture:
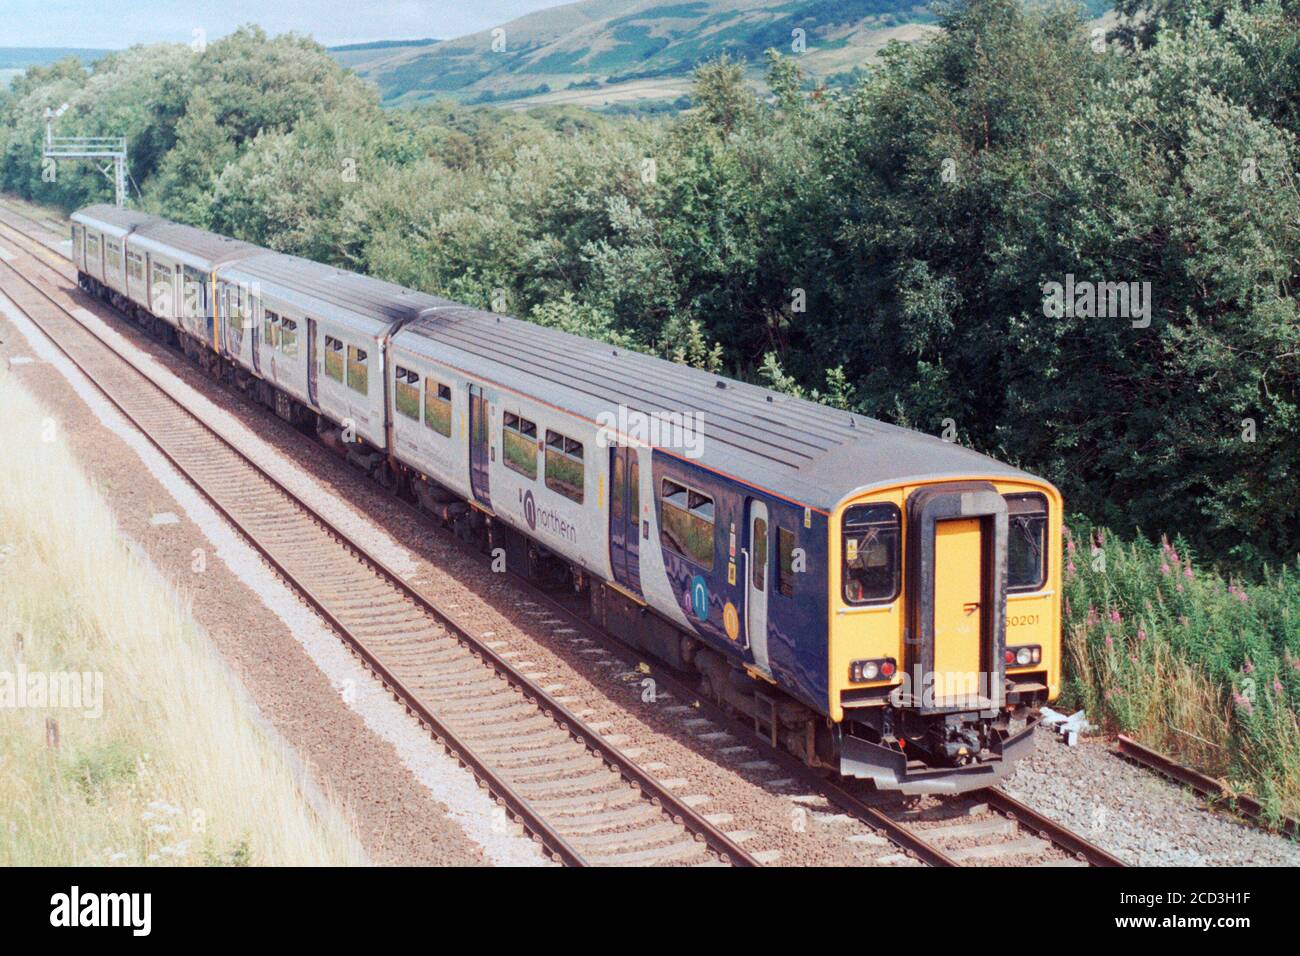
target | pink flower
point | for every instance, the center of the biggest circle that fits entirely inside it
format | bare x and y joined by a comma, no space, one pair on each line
1242,702
1248,667
1179,589
1277,686
1109,642
1114,616
1164,568
1133,658
1187,572
1069,567
1092,615
1142,635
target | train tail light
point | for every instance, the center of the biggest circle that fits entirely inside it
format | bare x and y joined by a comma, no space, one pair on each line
1023,656
862,672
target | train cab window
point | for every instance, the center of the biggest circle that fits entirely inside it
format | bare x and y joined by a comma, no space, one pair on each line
1026,542
334,358
519,440
785,561
271,329
358,371
437,407
759,545
687,524
565,472
406,392
870,553
289,337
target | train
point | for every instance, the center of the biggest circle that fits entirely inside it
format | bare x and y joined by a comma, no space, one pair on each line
881,603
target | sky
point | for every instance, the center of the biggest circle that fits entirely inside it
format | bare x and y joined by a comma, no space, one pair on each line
114,24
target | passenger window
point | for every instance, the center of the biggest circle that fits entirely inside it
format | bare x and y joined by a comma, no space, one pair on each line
334,358
234,312
870,553
437,407
785,561
687,524
1026,542
114,250
633,487
759,545
271,329
289,337
519,440
619,481
565,472
162,289
358,373
406,389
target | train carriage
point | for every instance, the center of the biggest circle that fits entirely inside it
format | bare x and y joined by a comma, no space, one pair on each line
99,247
878,601
779,537
317,335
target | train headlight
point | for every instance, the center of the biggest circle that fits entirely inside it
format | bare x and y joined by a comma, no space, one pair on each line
1024,656
880,669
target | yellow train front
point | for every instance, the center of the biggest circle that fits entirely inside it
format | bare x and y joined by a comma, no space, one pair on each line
944,629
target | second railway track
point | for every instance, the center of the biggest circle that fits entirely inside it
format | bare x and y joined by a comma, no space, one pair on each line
584,799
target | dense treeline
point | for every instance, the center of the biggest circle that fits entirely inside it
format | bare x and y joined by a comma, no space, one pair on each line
889,246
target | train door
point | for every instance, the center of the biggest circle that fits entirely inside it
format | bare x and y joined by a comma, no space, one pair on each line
625,516
313,361
958,607
757,584
480,441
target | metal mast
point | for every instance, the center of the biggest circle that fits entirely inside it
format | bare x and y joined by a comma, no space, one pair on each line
89,147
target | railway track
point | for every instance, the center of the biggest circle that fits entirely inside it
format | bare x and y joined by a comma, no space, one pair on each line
1207,787
577,793
984,827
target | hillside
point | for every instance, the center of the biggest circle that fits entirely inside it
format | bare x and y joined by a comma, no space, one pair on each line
602,51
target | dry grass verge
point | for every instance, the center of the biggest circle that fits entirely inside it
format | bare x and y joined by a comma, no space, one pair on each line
123,736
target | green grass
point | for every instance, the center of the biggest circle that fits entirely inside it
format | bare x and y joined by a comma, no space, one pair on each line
1197,665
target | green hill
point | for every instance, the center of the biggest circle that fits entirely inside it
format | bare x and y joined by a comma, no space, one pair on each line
605,50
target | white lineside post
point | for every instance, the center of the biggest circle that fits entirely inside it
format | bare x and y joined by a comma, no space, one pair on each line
89,147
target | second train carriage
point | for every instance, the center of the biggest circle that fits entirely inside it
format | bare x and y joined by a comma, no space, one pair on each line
313,337
877,600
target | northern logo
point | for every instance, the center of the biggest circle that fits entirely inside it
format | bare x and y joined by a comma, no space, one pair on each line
530,511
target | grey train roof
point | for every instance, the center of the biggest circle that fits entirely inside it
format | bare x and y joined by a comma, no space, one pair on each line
796,448
301,280
122,220
198,245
